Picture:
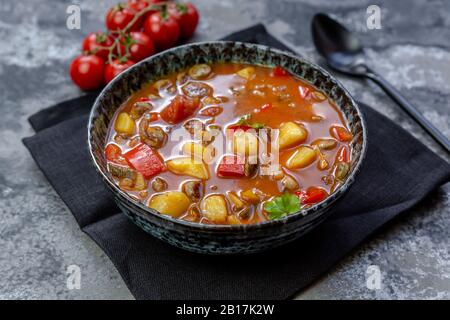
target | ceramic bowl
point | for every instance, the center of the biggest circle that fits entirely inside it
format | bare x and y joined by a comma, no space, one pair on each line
221,239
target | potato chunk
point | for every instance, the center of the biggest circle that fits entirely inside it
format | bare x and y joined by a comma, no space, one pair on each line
188,166
199,71
252,195
291,134
245,143
237,202
198,151
124,124
302,158
246,73
215,209
172,203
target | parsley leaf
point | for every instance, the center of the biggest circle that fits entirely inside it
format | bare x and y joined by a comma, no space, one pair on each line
281,206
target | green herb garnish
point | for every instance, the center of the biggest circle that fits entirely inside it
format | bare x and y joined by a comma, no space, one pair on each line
281,206
243,121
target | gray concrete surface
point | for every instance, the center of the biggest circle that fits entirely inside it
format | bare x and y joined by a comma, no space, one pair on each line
38,236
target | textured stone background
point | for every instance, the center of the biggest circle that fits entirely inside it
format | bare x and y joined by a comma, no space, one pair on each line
38,236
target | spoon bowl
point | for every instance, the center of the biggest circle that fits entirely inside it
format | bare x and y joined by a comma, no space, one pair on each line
344,53
341,48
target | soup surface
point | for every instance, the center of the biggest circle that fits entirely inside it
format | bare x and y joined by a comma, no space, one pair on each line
228,144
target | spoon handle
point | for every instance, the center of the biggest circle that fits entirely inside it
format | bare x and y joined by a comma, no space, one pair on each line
410,109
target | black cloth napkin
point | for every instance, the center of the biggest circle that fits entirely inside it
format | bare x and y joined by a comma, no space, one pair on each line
398,172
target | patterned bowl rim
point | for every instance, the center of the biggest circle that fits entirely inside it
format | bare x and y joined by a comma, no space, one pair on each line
308,214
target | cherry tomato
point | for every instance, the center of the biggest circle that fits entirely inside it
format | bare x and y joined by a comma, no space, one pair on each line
163,29
116,67
139,5
87,71
341,133
140,48
119,16
186,15
95,42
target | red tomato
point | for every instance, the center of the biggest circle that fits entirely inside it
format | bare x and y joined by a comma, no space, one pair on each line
87,71
145,160
94,42
278,71
139,5
186,15
113,153
312,195
116,67
179,109
119,16
341,133
140,48
164,30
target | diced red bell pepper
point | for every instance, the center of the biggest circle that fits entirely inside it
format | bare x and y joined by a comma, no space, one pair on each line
266,107
311,195
113,153
341,133
342,155
179,109
231,166
278,71
242,127
145,160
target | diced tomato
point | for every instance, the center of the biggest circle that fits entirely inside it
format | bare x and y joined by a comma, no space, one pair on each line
341,133
145,160
342,155
153,116
278,71
304,91
145,99
113,153
311,195
231,167
179,109
266,107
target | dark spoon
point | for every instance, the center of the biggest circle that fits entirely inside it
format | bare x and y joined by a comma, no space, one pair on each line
344,53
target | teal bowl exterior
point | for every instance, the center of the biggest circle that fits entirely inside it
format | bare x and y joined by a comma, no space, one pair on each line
221,239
